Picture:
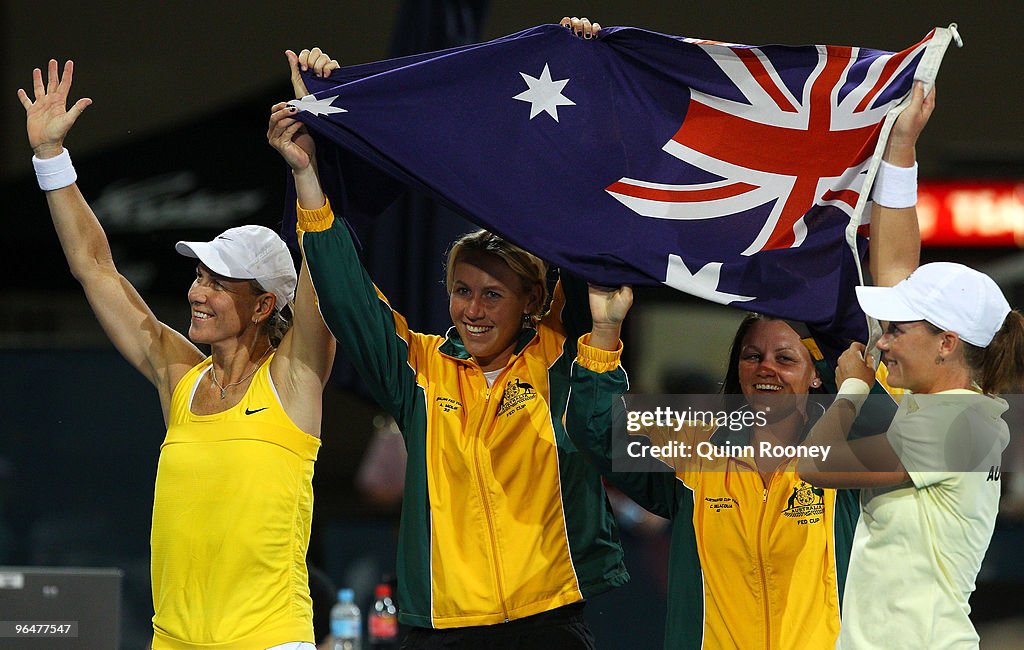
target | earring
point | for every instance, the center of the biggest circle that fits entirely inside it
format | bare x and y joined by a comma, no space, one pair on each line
816,383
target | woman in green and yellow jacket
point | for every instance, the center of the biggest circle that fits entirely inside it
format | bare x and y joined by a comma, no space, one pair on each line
503,520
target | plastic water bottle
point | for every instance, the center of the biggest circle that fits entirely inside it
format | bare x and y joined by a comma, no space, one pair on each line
346,622
382,620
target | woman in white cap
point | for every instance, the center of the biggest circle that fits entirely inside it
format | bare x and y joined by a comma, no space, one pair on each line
233,498
931,483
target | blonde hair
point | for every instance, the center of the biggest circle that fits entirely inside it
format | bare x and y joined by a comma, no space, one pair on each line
530,269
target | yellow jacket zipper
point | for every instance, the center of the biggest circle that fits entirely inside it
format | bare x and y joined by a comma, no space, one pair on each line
760,566
485,502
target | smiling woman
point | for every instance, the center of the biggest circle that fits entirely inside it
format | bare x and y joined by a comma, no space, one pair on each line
506,529
495,290
271,267
475,563
932,479
243,424
795,537
768,362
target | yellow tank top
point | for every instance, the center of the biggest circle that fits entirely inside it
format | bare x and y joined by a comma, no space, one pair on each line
231,517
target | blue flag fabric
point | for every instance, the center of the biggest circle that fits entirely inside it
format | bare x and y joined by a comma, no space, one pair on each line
735,173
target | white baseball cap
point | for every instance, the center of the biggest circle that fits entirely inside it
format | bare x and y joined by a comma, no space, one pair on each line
248,253
953,297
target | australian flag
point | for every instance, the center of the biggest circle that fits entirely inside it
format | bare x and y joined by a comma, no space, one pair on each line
735,173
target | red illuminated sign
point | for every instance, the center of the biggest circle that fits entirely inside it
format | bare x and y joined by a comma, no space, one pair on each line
969,213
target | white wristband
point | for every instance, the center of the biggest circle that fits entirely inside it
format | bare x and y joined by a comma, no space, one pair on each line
54,173
855,391
895,187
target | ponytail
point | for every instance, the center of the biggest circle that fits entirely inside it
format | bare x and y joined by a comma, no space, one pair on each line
999,368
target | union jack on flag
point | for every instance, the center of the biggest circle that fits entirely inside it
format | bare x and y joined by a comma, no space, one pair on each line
735,173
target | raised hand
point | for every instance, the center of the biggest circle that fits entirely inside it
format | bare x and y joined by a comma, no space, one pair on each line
915,116
900,150
609,305
608,308
320,62
48,119
289,136
582,27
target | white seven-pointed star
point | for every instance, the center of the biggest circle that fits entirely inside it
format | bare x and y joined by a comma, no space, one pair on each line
544,94
703,283
317,106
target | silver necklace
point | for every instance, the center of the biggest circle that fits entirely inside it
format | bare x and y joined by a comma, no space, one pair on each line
224,389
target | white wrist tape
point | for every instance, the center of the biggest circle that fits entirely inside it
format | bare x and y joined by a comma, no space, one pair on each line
54,173
895,187
855,391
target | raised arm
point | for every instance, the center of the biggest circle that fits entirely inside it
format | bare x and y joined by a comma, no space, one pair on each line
160,353
304,359
895,245
895,252
597,382
374,338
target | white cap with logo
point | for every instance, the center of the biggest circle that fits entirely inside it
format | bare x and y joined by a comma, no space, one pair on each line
950,296
248,253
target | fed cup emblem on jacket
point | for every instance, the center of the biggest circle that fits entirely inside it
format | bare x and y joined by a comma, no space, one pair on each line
517,394
805,501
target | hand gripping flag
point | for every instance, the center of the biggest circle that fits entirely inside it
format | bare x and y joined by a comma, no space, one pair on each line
734,173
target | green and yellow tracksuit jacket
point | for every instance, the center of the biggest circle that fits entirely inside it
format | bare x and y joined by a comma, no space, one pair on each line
751,565
502,517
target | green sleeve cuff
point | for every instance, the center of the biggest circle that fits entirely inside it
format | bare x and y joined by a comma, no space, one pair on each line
315,220
596,359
